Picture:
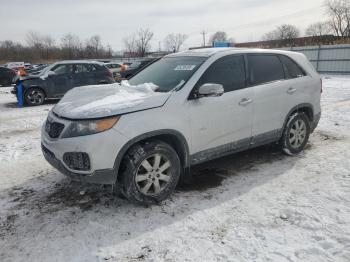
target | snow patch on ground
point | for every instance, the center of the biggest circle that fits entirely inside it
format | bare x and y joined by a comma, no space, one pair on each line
257,205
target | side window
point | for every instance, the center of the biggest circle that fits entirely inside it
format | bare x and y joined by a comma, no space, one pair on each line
228,71
264,69
291,69
80,68
92,68
60,69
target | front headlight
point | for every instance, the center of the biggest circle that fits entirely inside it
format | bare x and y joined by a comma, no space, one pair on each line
89,127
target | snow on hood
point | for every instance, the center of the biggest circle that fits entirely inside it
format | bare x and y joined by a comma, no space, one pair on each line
106,100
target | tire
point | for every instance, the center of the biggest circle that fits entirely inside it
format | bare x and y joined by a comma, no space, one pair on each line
150,172
34,96
295,134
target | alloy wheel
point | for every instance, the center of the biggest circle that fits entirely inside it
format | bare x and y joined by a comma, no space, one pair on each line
297,133
153,174
35,97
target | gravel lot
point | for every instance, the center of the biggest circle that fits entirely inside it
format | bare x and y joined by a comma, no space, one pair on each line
253,206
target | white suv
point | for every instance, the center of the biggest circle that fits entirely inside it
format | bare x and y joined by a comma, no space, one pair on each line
183,109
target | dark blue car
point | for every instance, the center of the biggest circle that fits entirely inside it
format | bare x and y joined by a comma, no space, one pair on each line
55,80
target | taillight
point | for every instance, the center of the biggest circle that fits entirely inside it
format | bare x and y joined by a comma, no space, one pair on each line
321,86
109,73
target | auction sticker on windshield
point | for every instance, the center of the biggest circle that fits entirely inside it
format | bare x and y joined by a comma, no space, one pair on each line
184,67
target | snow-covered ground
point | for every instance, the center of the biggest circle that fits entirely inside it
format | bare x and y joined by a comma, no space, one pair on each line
254,206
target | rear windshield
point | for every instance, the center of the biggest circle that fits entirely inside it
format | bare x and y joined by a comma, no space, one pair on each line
168,73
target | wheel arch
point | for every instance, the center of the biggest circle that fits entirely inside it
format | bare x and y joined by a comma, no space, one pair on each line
35,86
172,137
306,108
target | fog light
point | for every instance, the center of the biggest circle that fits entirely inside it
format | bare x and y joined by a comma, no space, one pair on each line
77,160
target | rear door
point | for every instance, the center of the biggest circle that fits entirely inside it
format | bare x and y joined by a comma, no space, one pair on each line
222,124
266,78
81,75
298,84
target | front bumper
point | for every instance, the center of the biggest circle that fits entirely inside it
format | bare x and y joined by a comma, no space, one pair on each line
103,176
102,149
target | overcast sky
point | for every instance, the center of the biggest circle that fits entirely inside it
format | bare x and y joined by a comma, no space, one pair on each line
244,20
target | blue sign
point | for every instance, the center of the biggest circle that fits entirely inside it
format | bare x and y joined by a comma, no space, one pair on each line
221,44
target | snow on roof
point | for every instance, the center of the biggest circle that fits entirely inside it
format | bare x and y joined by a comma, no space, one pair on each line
79,61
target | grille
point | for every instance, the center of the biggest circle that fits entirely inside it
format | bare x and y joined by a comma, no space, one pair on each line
54,129
77,160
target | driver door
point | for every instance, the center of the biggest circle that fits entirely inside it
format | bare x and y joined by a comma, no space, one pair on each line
222,125
61,80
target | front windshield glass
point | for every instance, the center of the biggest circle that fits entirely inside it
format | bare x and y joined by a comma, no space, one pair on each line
46,69
168,73
135,64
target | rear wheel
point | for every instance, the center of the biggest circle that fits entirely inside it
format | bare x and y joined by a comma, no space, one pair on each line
34,97
150,172
296,134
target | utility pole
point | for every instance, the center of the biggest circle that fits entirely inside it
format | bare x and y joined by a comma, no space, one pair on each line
203,33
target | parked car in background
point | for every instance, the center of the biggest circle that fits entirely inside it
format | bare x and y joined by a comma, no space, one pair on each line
134,68
127,63
55,80
36,69
116,68
6,76
15,65
28,66
185,109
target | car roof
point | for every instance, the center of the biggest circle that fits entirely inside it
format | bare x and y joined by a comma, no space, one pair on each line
79,62
207,52
113,63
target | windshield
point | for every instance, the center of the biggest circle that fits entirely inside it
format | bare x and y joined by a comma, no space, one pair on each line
135,64
47,69
168,73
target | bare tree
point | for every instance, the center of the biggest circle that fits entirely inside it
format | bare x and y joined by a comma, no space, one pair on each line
95,43
34,39
70,44
42,48
318,29
130,45
142,41
219,36
339,13
48,45
173,42
282,32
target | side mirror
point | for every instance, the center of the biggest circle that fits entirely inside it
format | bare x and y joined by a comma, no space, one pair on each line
51,73
210,89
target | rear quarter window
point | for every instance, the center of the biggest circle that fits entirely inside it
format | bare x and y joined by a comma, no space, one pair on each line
264,68
291,68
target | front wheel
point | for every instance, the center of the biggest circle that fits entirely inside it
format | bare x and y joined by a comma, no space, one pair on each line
296,134
34,97
150,172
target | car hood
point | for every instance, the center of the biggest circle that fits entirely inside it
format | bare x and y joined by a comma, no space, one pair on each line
99,101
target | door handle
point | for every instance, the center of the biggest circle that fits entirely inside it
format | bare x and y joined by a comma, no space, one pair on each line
291,90
245,101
